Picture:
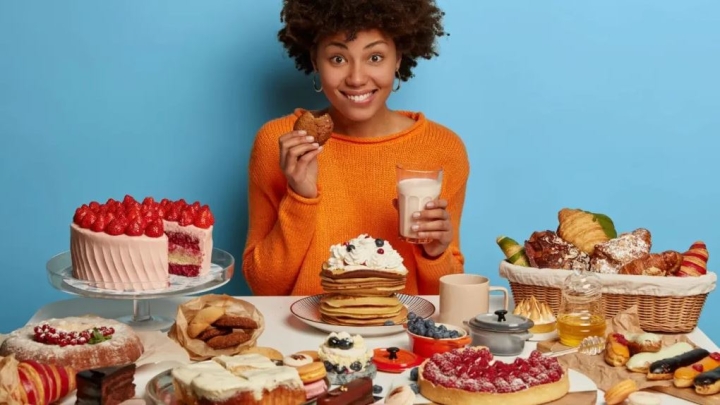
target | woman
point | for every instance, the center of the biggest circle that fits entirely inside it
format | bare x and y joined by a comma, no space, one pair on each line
358,52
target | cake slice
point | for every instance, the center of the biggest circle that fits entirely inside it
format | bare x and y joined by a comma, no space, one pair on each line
106,386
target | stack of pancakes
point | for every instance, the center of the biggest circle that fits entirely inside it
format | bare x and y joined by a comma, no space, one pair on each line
363,297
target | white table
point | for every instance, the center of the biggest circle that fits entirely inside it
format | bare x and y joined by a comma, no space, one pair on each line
283,331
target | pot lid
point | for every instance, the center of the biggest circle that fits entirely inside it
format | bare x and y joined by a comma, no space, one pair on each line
501,321
395,360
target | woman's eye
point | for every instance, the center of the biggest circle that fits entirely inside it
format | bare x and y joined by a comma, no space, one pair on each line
337,60
376,58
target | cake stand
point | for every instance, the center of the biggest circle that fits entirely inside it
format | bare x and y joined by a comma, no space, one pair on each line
60,274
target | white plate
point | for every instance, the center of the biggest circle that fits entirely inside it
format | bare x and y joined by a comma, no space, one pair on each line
578,383
306,310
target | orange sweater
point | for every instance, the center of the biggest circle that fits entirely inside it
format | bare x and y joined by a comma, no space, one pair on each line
289,236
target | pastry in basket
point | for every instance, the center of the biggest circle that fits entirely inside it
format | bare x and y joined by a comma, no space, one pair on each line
644,342
684,376
654,264
81,343
539,312
346,358
708,382
469,376
585,229
694,261
546,250
617,350
514,253
30,382
610,256
665,368
640,363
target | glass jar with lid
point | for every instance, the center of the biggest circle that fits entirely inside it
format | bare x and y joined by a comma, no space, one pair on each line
581,313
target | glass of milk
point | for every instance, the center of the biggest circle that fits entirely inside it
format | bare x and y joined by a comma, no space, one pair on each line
415,187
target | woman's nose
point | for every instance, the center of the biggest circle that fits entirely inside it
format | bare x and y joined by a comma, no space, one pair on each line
356,75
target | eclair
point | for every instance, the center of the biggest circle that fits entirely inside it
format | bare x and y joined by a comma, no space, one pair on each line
640,363
644,343
684,376
664,369
708,383
617,352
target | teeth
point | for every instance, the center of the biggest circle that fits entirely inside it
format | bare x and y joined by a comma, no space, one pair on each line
359,98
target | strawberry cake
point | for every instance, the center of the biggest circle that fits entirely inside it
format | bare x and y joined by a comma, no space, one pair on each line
134,246
469,377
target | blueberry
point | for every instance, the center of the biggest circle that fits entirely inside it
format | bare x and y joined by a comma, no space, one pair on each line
415,388
414,374
345,344
389,323
411,316
377,389
328,366
379,242
349,248
429,323
356,366
442,328
333,342
454,334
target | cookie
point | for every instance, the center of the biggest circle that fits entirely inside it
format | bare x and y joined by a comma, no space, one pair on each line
203,319
236,322
320,127
297,360
309,373
227,341
212,332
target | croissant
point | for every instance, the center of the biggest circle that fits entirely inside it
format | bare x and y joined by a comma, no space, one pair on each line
585,229
514,253
654,264
29,382
694,261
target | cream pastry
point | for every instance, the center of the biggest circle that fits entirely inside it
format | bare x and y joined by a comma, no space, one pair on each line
539,312
640,363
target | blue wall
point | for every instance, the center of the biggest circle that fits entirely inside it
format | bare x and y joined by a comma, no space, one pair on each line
610,106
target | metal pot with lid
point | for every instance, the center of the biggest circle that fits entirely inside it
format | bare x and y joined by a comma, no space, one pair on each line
504,334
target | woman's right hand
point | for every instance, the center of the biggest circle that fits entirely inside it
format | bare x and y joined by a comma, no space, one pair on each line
298,161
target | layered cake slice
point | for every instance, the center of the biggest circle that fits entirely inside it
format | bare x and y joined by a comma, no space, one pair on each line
132,246
106,386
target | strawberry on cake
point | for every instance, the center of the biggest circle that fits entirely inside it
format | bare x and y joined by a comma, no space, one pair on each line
469,377
132,246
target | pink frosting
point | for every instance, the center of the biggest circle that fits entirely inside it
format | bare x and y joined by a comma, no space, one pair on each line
316,388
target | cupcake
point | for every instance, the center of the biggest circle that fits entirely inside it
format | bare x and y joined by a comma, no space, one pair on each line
539,312
346,358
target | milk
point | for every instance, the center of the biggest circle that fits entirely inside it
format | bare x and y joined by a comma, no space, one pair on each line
413,194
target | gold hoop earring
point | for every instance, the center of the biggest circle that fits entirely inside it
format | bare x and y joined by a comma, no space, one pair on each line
315,86
396,88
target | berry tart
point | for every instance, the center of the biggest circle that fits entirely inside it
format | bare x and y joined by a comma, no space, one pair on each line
346,358
469,377
131,245
81,343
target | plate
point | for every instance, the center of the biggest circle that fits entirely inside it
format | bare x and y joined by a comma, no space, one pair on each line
579,382
160,390
306,310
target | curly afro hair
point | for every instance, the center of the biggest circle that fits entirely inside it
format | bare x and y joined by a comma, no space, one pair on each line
414,25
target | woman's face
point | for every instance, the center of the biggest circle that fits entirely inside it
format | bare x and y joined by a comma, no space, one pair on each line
357,76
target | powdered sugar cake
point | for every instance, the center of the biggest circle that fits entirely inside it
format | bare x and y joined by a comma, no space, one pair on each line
81,343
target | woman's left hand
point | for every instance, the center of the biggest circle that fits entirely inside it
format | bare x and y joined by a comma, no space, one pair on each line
434,223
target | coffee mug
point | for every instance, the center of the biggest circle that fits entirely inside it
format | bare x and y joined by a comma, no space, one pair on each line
463,296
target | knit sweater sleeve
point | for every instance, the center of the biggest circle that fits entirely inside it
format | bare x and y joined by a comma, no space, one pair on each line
281,222
457,170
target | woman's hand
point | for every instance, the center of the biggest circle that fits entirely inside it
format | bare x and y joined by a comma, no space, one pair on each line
298,161
434,223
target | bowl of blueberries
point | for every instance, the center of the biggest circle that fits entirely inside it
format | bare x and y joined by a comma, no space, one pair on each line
428,337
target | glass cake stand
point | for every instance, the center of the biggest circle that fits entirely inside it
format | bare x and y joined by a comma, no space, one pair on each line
60,274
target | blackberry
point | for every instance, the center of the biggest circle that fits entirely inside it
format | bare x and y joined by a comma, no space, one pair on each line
356,366
333,342
345,344
349,248
379,242
377,389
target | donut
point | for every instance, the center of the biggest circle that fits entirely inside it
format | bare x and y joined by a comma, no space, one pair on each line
111,343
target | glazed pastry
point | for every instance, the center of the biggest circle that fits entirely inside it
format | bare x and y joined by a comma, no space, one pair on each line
617,352
655,264
708,383
619,393
694,261
546,250
585,229
640,363
664,369
684,376
643,398
514,253
610,256
355,392
320,127
644,342
538,312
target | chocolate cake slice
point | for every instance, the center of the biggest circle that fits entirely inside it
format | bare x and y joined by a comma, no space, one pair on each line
106,386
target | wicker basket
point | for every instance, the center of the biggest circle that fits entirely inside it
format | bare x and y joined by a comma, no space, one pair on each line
665,304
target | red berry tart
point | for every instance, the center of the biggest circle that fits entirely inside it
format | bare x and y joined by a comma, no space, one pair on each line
81,343
131,245
468,376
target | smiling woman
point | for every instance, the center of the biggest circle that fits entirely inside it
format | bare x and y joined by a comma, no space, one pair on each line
358,53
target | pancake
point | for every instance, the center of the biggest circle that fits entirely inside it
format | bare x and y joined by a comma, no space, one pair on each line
371,310
341,274
340,301
343,320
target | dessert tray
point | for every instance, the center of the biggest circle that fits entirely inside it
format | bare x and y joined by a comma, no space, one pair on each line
60,275
307,311
160,390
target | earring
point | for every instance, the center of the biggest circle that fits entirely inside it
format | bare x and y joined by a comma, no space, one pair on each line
315,85
396,88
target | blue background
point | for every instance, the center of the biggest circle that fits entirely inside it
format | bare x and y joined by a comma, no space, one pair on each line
609,106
